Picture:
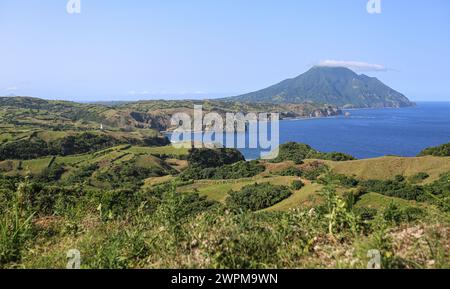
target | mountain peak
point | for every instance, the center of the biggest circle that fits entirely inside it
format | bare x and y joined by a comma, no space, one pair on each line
330,85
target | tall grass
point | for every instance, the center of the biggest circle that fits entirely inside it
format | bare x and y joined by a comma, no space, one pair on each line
15,228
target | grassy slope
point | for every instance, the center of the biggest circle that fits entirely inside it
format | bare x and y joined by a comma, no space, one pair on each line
387,167
379,168
218,190
104,158
378,201
302,198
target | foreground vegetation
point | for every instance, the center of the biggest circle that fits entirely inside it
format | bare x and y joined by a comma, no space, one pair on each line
289,214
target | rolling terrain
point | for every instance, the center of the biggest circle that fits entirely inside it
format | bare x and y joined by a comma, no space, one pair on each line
106,181
28,112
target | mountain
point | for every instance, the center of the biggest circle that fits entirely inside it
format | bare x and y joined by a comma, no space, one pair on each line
330,85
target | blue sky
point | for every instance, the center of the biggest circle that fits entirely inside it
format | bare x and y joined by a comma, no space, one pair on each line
206,48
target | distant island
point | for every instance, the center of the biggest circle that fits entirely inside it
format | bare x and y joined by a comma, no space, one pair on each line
338,86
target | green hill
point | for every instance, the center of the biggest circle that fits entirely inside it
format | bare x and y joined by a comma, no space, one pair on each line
30,113
330,85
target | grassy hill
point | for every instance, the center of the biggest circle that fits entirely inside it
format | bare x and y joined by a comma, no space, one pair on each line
87,167
385,168
29,113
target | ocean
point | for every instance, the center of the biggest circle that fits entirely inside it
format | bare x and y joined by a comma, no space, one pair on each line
370,133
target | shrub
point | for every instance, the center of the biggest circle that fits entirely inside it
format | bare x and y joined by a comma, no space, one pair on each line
297,152
257,197
213,158
339,157
397,215
333,156
15,227
439,192
290,172
418,178
45,200
297,185
52,174
24,149
439,151
83,173
128,175
395,188
235,171
366,214
343,180
313,171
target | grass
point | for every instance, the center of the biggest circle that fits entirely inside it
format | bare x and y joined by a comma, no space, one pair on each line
35,166
378,201
150,182
146,157
218,190
302,198
386,167
166,150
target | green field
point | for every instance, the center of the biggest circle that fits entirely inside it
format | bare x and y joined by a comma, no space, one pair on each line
387,167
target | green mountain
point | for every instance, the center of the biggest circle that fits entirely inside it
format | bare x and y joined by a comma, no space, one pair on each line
330,85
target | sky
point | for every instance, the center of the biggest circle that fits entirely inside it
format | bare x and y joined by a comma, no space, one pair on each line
166,49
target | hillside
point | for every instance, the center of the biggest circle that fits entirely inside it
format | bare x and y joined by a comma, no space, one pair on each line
156,207
330,85
385,168
28,112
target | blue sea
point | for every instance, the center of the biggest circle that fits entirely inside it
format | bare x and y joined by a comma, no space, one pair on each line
369,133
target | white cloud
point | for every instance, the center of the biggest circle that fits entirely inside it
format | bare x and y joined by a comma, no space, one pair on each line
12,88
353,65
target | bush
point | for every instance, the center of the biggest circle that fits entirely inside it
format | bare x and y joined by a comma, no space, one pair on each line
52,173
297,185
114,203
24,149
395,188
439,151
128,175
81,174
86,142
343,180
235,171
47,200
418,178
15,226
213,158
439,192
333,156
313,171
297,152
81,143
339,157
257,197
366,214
290,172
397,215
